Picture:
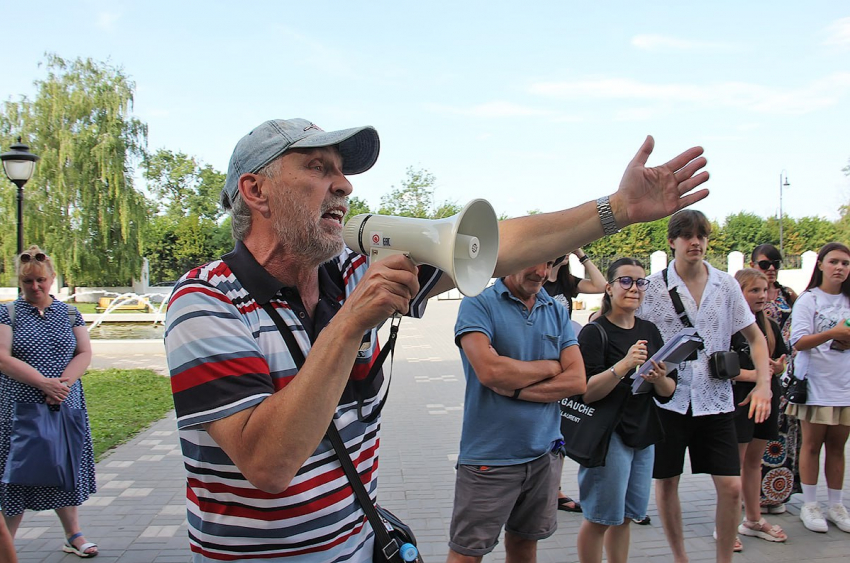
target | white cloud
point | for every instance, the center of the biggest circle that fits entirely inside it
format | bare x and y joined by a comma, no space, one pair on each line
820,94
106,20
838,33
663,43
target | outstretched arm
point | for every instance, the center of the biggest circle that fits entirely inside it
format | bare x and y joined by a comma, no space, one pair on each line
645,194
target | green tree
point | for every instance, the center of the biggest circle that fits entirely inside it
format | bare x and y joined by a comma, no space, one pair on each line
183,185
81,205
357,206
446,209
415,198
187,232
744,231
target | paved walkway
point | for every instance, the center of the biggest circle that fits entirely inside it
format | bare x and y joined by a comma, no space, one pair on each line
138,514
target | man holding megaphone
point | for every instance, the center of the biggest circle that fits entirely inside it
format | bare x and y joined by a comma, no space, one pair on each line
269,345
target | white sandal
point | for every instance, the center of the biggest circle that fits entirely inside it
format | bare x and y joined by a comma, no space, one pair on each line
81,551
761,529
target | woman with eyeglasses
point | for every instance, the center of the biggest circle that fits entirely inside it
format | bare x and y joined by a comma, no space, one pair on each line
753,436
820,331
44,351
618,492
779,462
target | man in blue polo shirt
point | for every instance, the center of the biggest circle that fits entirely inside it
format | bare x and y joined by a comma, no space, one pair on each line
520,357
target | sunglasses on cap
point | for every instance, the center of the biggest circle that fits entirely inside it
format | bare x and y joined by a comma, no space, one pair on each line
766,264
39,257
626,282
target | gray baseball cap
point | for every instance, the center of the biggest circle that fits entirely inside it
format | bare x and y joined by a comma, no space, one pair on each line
359,147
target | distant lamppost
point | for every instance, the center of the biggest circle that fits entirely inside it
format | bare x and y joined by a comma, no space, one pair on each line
19,164
783,183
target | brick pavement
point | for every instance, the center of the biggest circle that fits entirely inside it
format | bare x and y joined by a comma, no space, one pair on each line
138,514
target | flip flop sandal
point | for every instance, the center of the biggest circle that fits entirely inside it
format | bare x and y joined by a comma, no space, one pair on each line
763,530
68,547
737,547
565,502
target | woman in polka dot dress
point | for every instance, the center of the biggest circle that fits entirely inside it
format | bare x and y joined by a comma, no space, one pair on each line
42,358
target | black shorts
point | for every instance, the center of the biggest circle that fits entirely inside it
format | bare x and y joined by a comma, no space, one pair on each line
746,427
710,440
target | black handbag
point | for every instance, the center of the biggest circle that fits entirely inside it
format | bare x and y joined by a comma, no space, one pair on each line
587,427
797,391
394,540
724,365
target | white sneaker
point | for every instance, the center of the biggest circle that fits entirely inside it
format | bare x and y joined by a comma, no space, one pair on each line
837,514
812,517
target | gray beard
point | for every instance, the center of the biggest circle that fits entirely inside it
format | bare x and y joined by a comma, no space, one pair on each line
300,234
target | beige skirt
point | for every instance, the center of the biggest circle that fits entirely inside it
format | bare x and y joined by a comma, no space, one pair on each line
830,416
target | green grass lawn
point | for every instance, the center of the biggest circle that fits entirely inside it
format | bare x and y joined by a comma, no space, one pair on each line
122,402
89,309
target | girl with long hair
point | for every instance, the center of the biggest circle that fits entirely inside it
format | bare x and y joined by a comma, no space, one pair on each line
820,331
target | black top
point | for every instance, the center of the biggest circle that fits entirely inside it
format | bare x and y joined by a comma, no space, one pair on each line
739,344
640,426
558,287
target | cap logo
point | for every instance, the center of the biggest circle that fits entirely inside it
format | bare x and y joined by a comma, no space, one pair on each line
314,126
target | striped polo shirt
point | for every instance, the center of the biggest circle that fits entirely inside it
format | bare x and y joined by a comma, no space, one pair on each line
225,354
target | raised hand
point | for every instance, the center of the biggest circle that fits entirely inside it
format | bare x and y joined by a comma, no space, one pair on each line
646,194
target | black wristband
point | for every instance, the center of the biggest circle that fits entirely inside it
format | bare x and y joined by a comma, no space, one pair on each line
583,259
516,393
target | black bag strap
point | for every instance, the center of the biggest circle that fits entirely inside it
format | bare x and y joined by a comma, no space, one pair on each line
603,335
389,546
298,358
677,302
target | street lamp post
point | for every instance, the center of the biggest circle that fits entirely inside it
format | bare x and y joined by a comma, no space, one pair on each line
19,164
783,183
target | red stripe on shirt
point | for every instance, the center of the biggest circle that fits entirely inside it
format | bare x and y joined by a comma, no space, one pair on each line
210,371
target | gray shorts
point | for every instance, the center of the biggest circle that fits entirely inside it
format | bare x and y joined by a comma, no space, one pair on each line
522,498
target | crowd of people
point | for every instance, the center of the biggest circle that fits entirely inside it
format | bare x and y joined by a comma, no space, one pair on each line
273,349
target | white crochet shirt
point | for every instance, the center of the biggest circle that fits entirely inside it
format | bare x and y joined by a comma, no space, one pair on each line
722,312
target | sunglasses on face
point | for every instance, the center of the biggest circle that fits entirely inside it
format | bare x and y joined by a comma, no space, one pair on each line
766,264
626,282
39,257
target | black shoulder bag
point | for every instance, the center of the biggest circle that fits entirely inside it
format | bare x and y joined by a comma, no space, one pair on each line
394,540
723,363
587,427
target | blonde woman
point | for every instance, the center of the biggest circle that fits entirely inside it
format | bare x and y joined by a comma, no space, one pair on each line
43,354
752,435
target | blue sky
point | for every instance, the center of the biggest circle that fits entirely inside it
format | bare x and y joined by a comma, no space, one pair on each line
531,107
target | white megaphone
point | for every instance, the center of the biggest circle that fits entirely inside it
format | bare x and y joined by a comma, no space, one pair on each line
465,245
